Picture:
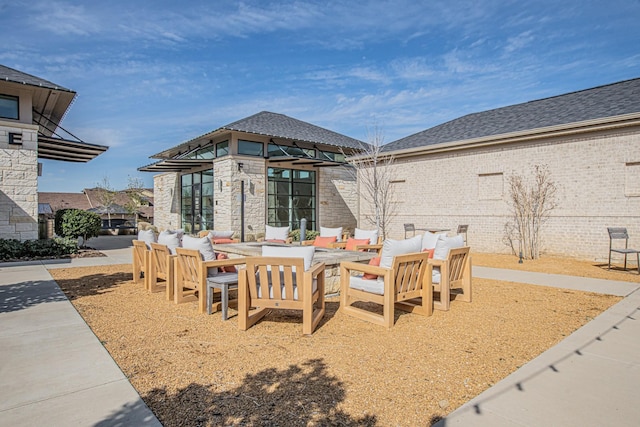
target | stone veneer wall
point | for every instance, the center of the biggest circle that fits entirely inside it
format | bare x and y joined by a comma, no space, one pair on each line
597,175
166,201
18,183
337,197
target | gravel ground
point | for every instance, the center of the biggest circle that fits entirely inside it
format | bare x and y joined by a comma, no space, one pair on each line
193,369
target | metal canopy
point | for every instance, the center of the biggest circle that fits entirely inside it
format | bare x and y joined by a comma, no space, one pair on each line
54,148
176,165
302,161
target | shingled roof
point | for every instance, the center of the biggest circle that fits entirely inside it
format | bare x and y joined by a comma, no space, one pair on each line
597,103
15,76
273,125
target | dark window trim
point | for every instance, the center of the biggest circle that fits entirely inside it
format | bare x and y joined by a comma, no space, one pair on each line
12,98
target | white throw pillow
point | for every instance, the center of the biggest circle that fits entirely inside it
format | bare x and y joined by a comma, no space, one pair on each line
202,244
305,252
392,248
330,232
215,234
372,235
445,243
276,233
171,239
429,240
147,236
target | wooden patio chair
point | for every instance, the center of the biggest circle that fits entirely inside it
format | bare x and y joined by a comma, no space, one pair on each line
452,273
140,262
192,277
281,283
398,287
219,237
161,268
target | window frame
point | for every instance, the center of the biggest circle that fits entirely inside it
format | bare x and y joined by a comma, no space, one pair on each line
17,106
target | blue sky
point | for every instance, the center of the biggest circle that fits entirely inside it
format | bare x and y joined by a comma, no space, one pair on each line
152,74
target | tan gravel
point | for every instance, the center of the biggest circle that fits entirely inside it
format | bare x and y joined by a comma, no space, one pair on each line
194,369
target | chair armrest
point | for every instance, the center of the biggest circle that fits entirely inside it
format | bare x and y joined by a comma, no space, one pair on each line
223,262
316,269
307,242
376,247
436,262
363,268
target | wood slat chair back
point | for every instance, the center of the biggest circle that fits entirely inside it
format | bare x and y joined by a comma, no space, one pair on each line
140,262
187,280
161,268
280,283
403,289
455,274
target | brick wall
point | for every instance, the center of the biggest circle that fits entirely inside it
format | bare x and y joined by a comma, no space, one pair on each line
337,198
18,183
598,182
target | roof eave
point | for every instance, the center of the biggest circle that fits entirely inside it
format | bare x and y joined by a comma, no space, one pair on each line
607,123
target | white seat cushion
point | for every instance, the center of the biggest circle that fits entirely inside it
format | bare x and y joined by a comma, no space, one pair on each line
305,252
429,240
147,236
371,286
392,248
202,244
330,232
171,239
372,235
445,243
276,233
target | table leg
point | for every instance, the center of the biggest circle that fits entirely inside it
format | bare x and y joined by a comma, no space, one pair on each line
209,298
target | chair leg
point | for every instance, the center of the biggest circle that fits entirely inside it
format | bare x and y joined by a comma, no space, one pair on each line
609,260
225,301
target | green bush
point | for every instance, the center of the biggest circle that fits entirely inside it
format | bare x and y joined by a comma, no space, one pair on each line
57,221
78,223
309,235
15,249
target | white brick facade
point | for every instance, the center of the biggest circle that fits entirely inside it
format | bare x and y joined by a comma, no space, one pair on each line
18,183
597,175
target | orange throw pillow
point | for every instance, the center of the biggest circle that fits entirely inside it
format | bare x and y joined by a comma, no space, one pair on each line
227,269
374,261
323,242
431,252
352,243
222,241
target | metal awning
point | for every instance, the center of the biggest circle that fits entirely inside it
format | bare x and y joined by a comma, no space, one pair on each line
288,161
176,165
54,148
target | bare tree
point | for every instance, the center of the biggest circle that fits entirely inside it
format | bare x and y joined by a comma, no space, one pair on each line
136,198
531,205
374,172
106,196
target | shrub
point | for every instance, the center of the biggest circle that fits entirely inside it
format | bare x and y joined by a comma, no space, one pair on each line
15,249
78,223
57,222
309,235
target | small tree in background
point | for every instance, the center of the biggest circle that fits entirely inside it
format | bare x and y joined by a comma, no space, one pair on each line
136,198
531,204
374,174
78,223
106,196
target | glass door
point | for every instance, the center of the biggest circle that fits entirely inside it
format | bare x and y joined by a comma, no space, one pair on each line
291,197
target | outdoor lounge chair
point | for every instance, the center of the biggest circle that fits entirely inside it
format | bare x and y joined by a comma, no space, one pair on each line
283,278
362,240
219,237
453,272
161,268
140,262
619,233
193,277
276,234
399,286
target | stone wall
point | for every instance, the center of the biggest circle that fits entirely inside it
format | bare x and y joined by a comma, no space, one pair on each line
337,197
597,175
18,183
166,200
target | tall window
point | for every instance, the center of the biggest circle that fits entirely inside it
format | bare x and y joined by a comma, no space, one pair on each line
291,197
222,148
9,107
197,201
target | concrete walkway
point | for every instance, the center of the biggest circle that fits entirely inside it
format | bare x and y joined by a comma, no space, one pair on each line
53,369
55,372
